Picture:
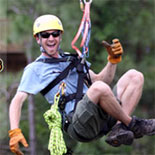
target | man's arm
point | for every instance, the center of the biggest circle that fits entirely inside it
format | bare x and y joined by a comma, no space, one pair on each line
115,52
15,133
15,109
106,75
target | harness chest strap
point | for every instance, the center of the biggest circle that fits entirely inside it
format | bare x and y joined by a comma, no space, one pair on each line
75,62
59,78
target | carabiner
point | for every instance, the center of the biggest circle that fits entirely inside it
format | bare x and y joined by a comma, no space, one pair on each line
85,1
82,5
82,2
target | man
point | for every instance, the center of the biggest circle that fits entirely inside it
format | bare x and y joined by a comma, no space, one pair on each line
100,110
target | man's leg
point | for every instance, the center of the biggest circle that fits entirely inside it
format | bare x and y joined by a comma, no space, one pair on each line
129,90
129,93
100,93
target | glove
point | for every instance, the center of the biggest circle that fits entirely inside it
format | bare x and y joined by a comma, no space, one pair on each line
16,136
115,51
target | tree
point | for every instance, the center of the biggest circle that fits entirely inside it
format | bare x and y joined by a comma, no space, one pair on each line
130,21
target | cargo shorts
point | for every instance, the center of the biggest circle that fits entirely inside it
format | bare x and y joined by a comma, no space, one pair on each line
89,121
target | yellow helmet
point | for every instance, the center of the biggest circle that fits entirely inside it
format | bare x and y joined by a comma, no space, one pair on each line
47,22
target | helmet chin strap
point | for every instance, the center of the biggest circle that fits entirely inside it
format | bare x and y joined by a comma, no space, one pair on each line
44,51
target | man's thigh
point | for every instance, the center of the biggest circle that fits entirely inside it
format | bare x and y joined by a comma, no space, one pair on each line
90,121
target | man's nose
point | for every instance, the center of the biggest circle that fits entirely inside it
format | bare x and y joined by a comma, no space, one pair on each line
51,37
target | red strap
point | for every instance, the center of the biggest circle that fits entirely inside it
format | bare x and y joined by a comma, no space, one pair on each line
84,22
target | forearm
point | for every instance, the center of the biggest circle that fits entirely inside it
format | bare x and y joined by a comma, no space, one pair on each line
106,75
15,109
14,113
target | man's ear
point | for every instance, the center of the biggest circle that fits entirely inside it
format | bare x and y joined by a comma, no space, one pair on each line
38,40
60,37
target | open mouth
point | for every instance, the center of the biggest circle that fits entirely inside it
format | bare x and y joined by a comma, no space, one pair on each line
51,45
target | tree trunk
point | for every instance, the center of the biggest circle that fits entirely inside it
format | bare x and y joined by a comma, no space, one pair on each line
32,134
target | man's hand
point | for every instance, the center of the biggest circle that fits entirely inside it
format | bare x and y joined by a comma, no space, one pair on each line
16,136
115,51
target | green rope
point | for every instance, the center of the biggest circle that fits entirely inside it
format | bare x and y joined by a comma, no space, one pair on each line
53,118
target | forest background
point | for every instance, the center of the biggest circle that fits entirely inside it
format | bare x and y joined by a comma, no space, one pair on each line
132,21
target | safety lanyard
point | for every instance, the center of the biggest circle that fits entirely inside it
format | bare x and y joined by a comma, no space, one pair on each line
85,30
61,91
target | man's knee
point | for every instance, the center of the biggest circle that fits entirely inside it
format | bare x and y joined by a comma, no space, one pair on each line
136,76
100,88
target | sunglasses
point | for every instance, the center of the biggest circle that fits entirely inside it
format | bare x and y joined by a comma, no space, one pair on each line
47,35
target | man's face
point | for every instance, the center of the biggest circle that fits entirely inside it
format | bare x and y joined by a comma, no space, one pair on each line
50,41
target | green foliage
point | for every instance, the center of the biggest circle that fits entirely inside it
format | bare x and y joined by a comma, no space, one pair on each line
3,117
3,9
42,130
130,21
7,79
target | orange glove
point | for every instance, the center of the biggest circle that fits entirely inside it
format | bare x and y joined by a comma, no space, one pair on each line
115,51
16,136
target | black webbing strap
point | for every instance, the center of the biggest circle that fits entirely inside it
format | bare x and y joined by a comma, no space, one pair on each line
59,78
79,93
56,60
87,77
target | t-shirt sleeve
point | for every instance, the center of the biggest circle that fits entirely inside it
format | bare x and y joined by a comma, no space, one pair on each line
30,82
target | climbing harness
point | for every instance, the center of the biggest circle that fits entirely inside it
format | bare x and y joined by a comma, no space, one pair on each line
75,62
53,116
54,120
56,115
84,29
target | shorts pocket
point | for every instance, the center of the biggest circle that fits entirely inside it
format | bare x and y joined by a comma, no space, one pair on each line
85,117
86,125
